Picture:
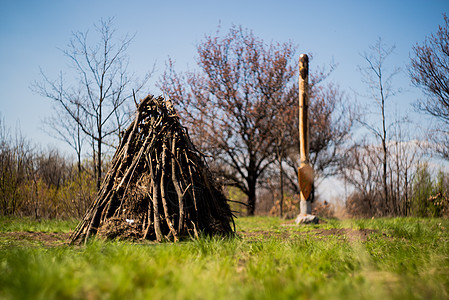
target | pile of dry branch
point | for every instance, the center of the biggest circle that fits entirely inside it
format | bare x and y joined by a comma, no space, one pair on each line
158,187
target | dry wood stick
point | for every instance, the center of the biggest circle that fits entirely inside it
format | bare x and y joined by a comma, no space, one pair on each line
193,184
177,187
157,222
133,132
136,161
150,205
164,201
150,218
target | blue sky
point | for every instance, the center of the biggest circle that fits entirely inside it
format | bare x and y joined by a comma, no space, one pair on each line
32,32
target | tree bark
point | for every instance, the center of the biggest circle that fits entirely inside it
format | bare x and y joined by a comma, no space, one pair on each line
251,199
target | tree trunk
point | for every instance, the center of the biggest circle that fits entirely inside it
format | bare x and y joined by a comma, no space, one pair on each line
100,139
281,179
251,181
384,145
79,161
94,158
99,165
384,166
78,146
251,199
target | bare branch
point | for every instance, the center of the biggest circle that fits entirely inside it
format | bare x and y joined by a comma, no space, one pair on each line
98,103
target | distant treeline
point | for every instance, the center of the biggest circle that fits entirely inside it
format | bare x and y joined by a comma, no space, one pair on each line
45,184
41,183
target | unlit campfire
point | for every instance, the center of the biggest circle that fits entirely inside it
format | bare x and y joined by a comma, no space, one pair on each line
158,186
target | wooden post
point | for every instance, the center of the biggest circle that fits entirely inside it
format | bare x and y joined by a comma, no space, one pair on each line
305,171
304,108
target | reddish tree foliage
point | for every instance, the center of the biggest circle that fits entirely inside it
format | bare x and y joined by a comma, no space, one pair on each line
233,101
242,105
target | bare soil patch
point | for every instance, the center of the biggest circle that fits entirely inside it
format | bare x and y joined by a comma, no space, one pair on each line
351,234
345,233
48,239
52,239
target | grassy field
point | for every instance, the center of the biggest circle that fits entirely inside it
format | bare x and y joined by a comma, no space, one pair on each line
270,259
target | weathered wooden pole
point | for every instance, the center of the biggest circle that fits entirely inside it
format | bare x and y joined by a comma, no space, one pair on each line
305,171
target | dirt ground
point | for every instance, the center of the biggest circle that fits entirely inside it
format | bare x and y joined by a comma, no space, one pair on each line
52,239
29,238
352,235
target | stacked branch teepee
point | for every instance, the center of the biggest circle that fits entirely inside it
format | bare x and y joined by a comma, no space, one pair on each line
158,186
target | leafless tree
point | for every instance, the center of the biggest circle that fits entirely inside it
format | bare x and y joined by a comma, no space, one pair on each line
102,87
16,157
379,81
361,170
429,71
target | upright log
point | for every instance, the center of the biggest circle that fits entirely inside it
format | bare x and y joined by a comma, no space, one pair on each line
305,171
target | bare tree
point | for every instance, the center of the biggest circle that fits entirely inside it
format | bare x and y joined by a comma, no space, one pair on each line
102,87
429,71
361,171
16,163
379,83
404,156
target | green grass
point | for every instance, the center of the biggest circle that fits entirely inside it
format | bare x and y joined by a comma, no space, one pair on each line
10,224
396,259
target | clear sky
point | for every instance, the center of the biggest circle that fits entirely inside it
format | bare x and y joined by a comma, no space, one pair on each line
32,32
